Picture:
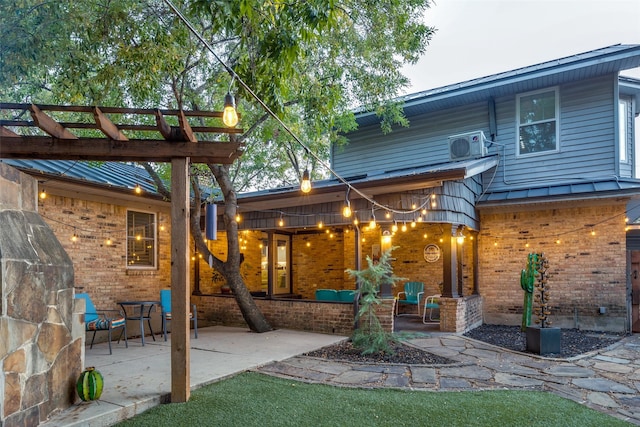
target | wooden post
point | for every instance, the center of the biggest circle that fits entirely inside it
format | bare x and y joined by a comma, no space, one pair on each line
180,345
450,263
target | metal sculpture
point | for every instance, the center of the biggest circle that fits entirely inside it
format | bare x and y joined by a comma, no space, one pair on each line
527,283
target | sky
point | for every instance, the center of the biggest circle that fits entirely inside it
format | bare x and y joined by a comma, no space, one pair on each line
477,38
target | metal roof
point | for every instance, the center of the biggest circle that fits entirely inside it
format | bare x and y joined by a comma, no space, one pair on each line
111,174
588,189
607,60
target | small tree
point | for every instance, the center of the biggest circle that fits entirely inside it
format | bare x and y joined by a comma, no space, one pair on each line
369,337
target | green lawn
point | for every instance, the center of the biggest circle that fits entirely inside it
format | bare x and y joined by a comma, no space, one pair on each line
252,399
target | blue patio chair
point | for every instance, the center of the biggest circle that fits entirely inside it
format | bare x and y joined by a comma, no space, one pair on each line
346,295
411,295
432,302
165,302
326,295
103,320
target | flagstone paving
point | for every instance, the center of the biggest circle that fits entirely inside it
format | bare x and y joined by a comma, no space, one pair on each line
607,380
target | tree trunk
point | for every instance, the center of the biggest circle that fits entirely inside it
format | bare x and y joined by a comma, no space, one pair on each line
230,268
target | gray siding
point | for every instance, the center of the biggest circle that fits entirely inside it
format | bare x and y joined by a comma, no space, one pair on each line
587,139
586,150
423,143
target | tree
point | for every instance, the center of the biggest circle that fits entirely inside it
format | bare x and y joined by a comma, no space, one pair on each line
370,337
310,61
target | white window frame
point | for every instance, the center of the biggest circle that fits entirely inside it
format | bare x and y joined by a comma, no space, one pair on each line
623,132
556,119
153,239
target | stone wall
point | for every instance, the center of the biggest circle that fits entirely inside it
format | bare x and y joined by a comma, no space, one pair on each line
586,248
41,334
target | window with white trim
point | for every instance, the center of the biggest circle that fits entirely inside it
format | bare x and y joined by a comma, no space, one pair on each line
537,116
141,239
623,135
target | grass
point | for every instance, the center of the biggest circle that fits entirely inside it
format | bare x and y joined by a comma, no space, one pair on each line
253,399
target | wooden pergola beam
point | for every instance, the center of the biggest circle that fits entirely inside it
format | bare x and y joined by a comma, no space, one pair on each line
47,148
4,132
107,127
49,125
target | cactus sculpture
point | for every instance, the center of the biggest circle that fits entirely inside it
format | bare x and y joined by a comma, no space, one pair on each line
527,280
542,309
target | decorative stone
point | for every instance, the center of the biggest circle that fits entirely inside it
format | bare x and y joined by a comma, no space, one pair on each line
51,339
543,340
15,362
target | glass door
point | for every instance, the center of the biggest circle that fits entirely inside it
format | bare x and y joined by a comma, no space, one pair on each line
281,282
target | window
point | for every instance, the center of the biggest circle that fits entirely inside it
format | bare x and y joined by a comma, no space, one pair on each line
537,114
141,239
622,130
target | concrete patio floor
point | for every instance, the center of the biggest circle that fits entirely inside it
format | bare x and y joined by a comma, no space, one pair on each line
138,378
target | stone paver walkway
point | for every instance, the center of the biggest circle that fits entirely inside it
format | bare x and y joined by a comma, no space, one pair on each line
607,380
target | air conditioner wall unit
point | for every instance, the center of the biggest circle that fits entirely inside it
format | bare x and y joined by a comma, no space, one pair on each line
468,145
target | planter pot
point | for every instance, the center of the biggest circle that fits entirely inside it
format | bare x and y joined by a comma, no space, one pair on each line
543,340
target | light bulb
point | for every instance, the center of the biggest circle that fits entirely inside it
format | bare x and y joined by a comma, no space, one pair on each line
281,222
346,211
305,185
229,114
43,195
372,222
138,189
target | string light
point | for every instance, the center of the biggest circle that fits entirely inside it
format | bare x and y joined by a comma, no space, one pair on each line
137,189
394,227
238,217
229,114
404,227
108,242
43,194
281,221
305,185
346,211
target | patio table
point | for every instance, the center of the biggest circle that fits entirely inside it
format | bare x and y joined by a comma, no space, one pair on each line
140,311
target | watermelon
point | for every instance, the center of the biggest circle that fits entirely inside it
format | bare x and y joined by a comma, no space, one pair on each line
89,385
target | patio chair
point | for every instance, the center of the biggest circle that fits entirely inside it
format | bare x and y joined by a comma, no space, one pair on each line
165,302
411,295
346,295
103,320
326,295
432,302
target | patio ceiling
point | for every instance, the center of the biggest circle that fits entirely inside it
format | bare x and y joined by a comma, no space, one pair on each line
390,182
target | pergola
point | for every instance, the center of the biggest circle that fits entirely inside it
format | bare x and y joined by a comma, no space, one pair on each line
160,136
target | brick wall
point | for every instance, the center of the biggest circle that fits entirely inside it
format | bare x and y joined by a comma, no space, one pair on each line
307,315
585,271
101,269
459,315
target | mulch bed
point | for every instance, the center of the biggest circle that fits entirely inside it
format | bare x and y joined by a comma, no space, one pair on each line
574,342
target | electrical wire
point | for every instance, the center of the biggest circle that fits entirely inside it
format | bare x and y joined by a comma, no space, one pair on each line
274,116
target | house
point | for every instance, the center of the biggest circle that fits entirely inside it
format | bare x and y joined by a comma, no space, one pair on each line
538,159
